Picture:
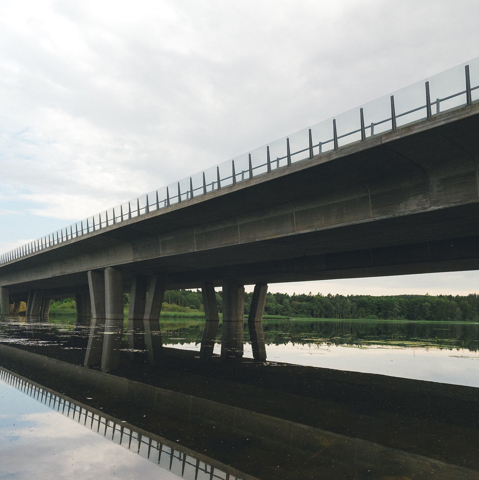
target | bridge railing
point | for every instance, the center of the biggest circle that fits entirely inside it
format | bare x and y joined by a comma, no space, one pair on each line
451,89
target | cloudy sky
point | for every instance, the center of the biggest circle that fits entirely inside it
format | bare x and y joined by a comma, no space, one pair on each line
105,100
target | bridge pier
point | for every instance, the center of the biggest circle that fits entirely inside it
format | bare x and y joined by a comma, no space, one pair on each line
255,322
96,284
233,320
212,320
16,308
151,319
45,308
110,358
136,327
34,304
4,301
83,308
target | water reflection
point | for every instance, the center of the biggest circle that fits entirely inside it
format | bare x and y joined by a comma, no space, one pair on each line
214,419
166,454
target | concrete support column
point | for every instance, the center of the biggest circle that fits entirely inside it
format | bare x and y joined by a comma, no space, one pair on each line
4,301
96,284
212,320
113,319
16,308
45,308
35,300
233,320
136,314
83,308
255,322
151,320
29,303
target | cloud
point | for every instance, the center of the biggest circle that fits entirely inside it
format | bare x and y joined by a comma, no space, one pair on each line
103,101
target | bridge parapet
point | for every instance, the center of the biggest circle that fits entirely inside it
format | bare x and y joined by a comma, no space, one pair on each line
452,89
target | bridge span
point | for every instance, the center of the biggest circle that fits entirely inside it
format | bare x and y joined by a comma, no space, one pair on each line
401,201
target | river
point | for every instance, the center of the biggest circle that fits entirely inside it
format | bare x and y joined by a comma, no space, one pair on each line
335,399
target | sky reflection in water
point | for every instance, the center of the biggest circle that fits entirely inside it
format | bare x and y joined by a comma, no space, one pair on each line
38,443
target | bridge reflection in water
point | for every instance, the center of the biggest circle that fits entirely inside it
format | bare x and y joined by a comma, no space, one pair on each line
166,454
259,421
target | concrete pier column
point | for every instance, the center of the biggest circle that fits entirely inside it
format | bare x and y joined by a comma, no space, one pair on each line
151,320
83,308
16,308
136,314
255,325
35,303
29,303
4,301
212,320
110,358
45,308
96,284
233,320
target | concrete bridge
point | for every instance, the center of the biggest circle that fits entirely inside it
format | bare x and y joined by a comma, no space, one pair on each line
399,202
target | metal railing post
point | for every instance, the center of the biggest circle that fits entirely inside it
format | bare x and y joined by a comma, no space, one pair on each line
147,206
157,201
288,152
310,144
167,196
179,193
268,160
363,128
191,187
428,101
218,177
138,207
393,114
129,210
468,86
250,166
233,173
204,183
335,135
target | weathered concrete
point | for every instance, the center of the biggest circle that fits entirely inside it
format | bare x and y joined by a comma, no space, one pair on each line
255,325
45,307
232,334
34,304
16,308
136,314
4,301
83,307
156,291
398,203
110,358
96,282
212,320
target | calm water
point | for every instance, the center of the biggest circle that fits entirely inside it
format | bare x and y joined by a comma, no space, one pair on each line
300,415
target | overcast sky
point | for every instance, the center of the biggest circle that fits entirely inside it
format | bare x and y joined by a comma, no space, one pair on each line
102,101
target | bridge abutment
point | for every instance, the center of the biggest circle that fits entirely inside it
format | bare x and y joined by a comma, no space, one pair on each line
233,320
255,324
212,320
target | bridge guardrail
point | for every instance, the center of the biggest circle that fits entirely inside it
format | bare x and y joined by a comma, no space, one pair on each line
453,88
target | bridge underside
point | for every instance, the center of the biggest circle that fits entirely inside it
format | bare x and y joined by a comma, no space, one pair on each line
398,203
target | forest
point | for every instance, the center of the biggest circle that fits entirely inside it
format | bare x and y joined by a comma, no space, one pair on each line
407,307
400,307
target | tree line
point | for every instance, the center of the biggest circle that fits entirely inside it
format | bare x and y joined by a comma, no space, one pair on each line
400,307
